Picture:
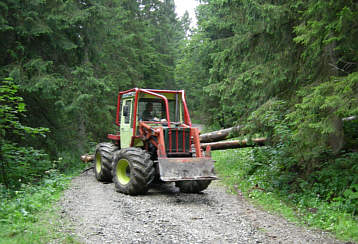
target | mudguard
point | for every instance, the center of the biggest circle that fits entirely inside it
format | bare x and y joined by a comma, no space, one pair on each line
178,169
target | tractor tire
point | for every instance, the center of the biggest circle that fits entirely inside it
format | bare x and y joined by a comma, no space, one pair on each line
192,186
133,171
103,161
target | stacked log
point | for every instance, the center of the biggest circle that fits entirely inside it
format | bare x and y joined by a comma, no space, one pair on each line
214,139
222,145
220,135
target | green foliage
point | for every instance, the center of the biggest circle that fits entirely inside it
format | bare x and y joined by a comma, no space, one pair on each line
12,106
277,67
18,165
286,70
27,215
191,74
327,31
269,120
351,133
327,199
317,119
249,59
22,165
71,58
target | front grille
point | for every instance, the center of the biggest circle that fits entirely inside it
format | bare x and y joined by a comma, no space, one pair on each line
177,141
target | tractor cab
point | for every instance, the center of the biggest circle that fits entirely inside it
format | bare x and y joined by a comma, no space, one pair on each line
155,108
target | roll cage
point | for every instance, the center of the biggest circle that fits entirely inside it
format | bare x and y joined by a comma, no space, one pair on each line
156,93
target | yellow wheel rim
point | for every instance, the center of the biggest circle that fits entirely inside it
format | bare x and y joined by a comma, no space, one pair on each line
98,163
123,172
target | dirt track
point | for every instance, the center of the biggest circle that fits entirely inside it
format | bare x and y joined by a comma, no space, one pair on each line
98,214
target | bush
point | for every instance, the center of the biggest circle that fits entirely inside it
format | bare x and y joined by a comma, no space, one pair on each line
18,164
23,216
23,165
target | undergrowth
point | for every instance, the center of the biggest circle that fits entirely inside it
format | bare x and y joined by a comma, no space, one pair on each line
28,214
326,199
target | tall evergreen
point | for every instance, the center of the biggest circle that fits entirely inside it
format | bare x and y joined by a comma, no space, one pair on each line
275,64
71,58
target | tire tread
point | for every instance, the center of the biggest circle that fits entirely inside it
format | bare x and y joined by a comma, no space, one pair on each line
142,171
106,150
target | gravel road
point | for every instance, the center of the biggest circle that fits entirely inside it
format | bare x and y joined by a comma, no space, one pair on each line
98,214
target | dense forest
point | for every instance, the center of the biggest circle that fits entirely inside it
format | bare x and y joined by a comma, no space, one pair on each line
67,60
287,70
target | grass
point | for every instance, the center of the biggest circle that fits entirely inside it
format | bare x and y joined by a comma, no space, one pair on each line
30,215
240,171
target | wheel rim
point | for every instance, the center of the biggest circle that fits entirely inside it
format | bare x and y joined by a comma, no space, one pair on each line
123,172
98,163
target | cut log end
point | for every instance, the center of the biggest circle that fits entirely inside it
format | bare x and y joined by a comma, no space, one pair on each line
87,158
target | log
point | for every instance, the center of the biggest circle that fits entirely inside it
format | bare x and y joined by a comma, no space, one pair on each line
214,146
87,158
350,118
219,135
228,133
234,144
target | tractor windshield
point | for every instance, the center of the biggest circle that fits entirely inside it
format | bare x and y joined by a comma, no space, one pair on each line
150,109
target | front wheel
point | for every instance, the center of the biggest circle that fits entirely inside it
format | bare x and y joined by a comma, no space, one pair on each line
192,186
103,161
132,171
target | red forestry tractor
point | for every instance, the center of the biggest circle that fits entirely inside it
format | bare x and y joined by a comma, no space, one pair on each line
155,142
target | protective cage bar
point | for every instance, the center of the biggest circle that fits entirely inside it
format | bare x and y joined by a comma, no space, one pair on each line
156,93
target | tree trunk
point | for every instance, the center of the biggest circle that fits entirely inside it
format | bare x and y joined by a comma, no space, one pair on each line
220,134
336,139
82,134
234,144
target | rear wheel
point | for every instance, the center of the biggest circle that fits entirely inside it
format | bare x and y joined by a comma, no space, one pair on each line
103,161
192,186
132,171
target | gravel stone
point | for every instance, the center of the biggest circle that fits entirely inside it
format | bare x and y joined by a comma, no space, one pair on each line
98,214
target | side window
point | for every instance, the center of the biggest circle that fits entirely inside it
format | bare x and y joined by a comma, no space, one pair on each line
127,111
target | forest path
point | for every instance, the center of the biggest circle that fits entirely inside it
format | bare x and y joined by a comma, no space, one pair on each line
98,214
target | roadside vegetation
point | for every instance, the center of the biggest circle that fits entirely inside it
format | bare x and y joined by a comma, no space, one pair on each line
31,182
327,199
29,214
